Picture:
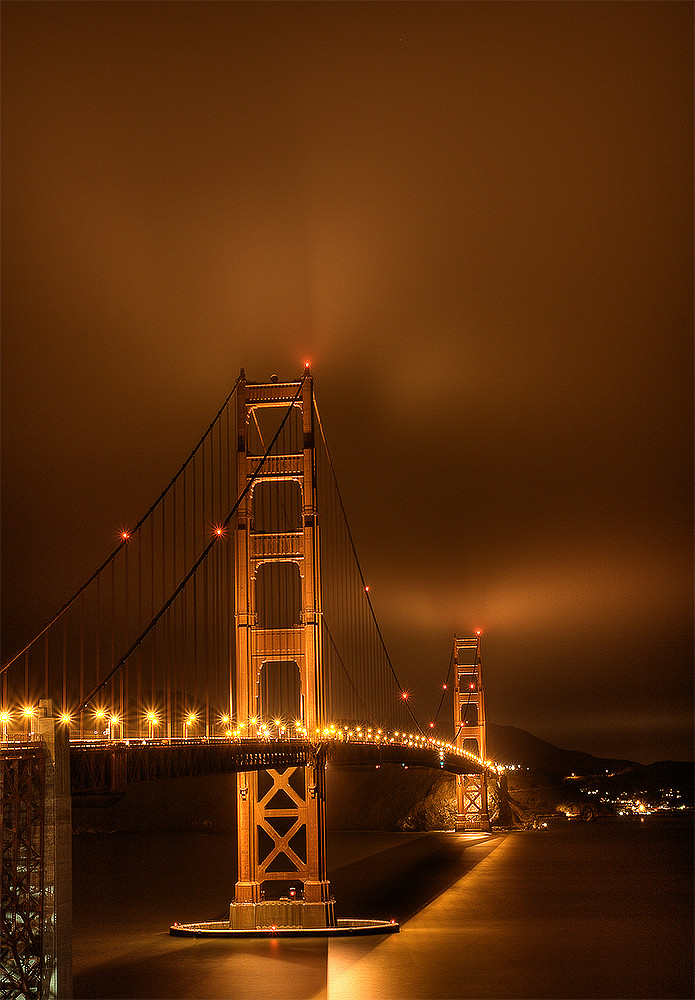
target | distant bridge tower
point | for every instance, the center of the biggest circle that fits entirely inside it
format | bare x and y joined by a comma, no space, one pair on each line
282,876
469,727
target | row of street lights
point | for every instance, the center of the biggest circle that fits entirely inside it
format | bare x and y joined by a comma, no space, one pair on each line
108,724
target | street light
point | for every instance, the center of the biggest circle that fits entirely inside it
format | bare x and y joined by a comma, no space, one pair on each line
191,720
113,722
4,722
28,713
153,720
100,715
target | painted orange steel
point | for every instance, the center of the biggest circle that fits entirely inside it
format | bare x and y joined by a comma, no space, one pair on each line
469,725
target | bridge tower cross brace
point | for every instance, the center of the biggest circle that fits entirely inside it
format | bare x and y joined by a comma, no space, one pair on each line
281,814
469,725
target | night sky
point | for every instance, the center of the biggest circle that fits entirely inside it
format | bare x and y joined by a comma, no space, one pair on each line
476,221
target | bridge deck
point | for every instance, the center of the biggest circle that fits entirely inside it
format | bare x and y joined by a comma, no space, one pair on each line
108,767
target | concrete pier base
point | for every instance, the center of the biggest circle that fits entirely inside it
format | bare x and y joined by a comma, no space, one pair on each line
342,928
281,913
480,824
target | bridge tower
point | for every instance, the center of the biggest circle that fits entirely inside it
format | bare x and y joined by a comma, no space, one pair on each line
469,727
282,874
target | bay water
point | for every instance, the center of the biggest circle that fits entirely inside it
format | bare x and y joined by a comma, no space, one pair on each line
602,909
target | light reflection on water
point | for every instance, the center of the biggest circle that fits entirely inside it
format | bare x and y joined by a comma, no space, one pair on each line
594,910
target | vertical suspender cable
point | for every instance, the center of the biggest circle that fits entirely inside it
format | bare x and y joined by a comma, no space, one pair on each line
81,646
26,683
184,616
46,688
138,655
153,699
123,693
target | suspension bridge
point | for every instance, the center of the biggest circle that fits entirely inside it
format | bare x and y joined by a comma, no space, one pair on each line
232,629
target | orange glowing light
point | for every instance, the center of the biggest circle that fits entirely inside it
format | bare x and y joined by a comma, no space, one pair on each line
431,725
404,695
125,535
219,530
477,631
444,686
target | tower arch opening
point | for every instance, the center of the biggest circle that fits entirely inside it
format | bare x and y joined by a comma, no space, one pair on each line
264,421
280,691
278,595
276,507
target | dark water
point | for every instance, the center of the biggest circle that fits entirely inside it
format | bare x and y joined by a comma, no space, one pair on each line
595,910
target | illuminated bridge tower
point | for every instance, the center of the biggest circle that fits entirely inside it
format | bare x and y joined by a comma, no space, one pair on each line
282,875
469,726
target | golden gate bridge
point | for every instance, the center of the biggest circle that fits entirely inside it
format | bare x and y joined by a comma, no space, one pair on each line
232,629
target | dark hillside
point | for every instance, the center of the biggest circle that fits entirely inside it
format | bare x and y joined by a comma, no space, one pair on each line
509,745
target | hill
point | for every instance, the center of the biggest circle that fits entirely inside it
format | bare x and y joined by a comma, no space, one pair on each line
509,745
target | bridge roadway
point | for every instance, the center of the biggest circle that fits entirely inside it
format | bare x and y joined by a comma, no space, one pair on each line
107,767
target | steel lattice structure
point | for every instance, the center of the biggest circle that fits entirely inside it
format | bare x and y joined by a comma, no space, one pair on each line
22,892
